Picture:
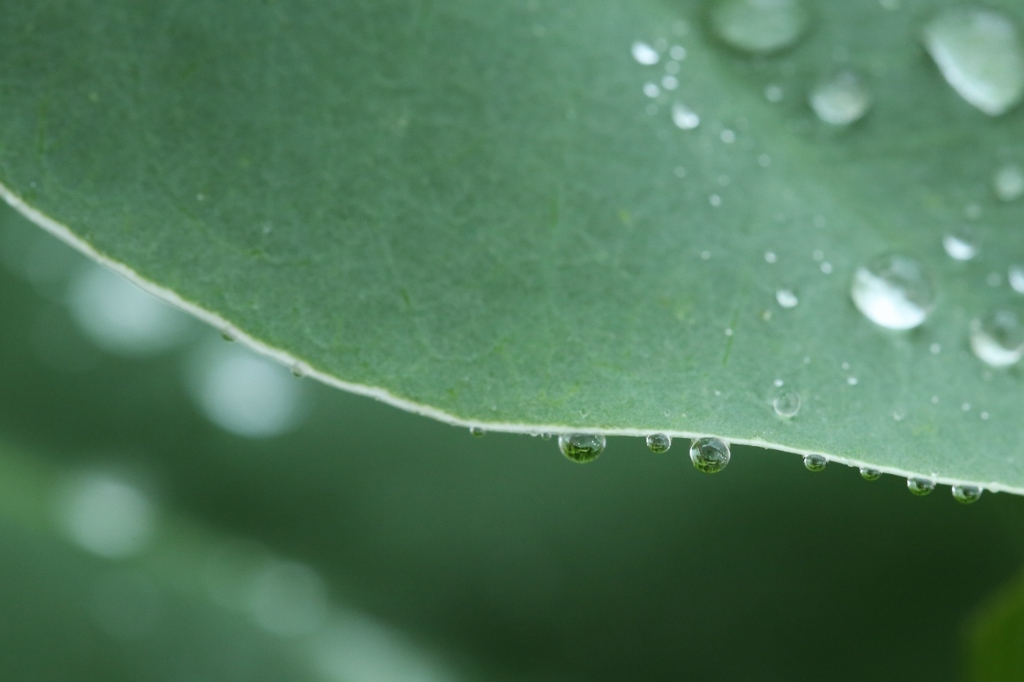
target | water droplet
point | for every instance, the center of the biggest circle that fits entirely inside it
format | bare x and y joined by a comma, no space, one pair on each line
227,336
709,455
998,339
869,474
966,407
764,160
852,381
815,463
1008,182
581,447
826,268
899,414
935,348
645,54
476,432
1016,278
680,172
779,383
684,117
651,89
545,436
759,26
966,494
920,486
678,53
773,93
893,291
786,298
670,82
715,200
727,136
659,442
298,371
770,257
845,365
728,332
960,245
979,53
786,403
841,100
984,416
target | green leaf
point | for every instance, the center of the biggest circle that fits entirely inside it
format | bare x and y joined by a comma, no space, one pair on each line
472,210
995,639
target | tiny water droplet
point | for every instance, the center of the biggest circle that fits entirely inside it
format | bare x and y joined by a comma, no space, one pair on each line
815,463
818,255
869,474
764,160
684,117
1016,277
960,245
678,53
709,455
645,54
966,407
935,349
984,416
759,26
545,436
227,337
899,414
669,82
770,257
298,371
659,442
651,89
852,381
476,432
727,136
966,494
935,400
979,53
786,403
786,298
920,486
581,447
998,339
680,172
845,365
715,200
826,268
1008,182
893,291
773,93
841,100
779,383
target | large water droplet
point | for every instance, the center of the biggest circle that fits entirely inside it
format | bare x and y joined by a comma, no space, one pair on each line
759,26
978,51
786,403
966,494
684,117
920,486
644,53
841,100
998,338
1008,182
815,463
960,244
709,455
659,442
869,474
893,291
581,447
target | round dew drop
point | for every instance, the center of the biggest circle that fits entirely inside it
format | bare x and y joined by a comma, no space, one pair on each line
869,474
709,455
979,52
684,118
841,100
960,245
645,54
920,486
759,26
659,442
966,494
998,339
815,463
786,298
581,447
893,291
786,403
1008,182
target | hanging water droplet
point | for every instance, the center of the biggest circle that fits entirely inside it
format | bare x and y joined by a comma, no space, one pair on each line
659,442
545,436
966,494
786,298
960,244
869,474
759,26
998,338
645,54
815,463
786,403
893,291
709,455
298,371
1008,182
684,117
979,53
476,432
841,100
1015,275
920,486
581,447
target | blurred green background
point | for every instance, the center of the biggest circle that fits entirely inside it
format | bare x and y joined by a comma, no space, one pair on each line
181,512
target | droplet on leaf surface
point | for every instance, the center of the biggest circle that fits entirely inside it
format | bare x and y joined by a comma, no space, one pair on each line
869,474
960,245
966,494
645,54
759,26
893,291
979,52
920,486
841,100
581,447
815,463
786,403
709,455
684,117
998,338
1008,182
